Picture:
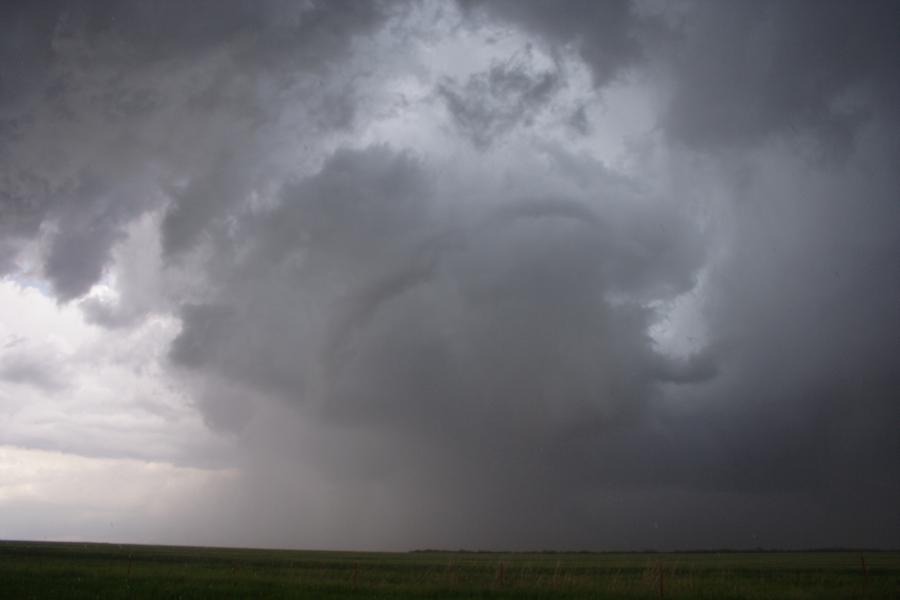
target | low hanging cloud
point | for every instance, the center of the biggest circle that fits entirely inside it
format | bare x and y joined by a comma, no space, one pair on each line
641,291
499,334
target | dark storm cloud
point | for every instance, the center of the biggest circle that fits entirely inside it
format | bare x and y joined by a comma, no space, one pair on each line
363,232
506,362
803,304
476,348
480,339
102,115
358,217
741,70
202,200
746,70
806,306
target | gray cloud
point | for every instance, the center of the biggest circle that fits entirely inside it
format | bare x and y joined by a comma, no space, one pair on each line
741,71
605,34
744,71
812,274
493,103
171,117
28,369
690,345
500,334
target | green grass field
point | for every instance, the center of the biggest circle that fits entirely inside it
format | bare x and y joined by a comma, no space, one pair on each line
76,570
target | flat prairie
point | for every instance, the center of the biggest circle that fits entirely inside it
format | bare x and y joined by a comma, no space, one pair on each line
88,570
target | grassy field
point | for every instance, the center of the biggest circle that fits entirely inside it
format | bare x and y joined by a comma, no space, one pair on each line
76,570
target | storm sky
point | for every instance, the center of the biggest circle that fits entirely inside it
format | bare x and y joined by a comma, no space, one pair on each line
487,274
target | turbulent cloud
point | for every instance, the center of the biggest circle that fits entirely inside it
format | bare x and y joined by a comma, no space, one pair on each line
604,33
492,103
99,135
641,293
499,332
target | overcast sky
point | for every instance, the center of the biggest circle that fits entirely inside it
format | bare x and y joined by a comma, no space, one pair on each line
408,274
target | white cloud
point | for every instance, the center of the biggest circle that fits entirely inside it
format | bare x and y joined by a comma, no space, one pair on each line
55,495
110,395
